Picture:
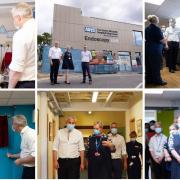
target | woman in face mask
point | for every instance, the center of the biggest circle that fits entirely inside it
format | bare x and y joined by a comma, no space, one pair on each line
174,147
134,151
99,154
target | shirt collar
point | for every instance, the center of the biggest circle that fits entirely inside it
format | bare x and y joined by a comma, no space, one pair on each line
28,22
24,130
158,135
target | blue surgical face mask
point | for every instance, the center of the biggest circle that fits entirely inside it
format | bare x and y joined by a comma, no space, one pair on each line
70,127
96,131
114,130
178,125
158,130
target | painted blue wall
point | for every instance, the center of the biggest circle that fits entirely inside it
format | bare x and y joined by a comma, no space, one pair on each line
76,53
8,170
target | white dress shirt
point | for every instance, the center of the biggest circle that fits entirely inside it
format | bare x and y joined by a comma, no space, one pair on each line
172,34
156,144
23,51
120,145
86,56
55,53
28,139
68,144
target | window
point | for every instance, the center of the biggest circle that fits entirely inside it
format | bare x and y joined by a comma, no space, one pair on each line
124,61
137,38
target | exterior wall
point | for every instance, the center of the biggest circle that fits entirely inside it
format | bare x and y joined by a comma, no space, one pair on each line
69,29
69,24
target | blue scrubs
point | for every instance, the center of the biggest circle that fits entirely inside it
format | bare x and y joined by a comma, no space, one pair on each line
153,54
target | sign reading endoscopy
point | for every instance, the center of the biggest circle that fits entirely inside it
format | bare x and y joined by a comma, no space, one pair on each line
87,38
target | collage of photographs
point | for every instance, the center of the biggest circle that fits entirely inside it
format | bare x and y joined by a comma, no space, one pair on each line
89,89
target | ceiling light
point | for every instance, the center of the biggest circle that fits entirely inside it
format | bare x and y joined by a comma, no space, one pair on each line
155,2
89,112
94,97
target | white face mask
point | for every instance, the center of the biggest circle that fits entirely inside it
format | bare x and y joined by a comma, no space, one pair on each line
152,127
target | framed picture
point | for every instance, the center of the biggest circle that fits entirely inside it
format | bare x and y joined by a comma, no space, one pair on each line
139,127
50,131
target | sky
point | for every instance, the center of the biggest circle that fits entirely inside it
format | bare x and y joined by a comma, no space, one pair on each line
129,11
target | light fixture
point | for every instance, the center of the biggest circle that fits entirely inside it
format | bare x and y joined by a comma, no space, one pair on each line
94,96
89,112
155,2
154,91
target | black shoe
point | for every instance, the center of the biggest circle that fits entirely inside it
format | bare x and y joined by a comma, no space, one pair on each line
56,83
52,83
67,82
162,83
83,82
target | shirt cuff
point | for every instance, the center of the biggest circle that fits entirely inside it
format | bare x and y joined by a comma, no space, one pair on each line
16,67
33,154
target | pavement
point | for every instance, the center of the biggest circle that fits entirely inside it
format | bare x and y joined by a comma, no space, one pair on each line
119,80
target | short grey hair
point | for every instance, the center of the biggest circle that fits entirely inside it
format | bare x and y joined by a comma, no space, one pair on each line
20,120
71,117
172,19
22,9
99,123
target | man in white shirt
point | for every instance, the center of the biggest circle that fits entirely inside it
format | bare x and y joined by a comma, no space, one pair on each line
68,151
172,34
22,67
86,58
156,147
120,155
26,157
55,55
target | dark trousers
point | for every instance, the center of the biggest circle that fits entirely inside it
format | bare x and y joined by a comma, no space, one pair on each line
172,54
116,168
28,173
54,70
159,170
147,165
86,69
152,66
25,84
69,168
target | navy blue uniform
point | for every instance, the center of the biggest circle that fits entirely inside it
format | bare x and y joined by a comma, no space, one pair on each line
175,165
99,167
153,54
67,61
134,150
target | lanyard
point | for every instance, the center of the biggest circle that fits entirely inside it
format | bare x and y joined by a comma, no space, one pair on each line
158,144
98,144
